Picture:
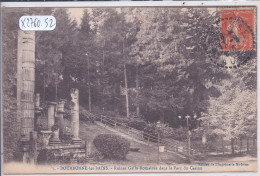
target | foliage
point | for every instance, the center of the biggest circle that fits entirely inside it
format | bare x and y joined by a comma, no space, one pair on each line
54,50
112,146
151,133
97,156
174,68
179,134
55,127
48,156
232,115
10,124
137,124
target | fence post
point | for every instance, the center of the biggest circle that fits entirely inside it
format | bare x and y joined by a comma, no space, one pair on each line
101,118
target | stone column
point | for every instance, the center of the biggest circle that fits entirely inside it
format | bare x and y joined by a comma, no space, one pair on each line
25,87
26,82
75,116
59,117
51,120
37,100
38,111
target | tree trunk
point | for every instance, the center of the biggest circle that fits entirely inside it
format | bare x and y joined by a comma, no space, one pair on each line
223,147
232,146
241,145
56,92
126,93
137,92
126,87
43,96
247,144
103,84
254,146
89,91
162,117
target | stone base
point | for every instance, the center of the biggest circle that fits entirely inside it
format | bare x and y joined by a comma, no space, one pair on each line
25,144
76,141
25,140
54,141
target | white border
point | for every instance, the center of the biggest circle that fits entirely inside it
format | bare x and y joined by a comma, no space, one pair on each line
129,3
162,4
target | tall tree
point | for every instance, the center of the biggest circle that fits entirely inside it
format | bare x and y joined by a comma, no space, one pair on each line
175,66
54,51
226,115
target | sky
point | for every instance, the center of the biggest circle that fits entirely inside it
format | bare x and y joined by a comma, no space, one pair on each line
76,13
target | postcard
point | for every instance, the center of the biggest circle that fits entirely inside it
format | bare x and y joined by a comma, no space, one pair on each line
149,88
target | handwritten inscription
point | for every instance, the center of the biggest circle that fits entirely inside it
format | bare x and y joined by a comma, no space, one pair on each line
37,23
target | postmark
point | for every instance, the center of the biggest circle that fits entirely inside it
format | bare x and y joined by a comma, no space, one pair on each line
231,39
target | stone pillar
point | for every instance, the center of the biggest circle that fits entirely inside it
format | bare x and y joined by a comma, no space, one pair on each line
75,116
25,87
51,120
26,81
38,111
37,100
59,117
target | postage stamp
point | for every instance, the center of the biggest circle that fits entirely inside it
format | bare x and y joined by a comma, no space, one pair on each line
129,88
237,29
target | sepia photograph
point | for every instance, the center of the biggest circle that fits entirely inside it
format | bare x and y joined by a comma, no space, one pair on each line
129,89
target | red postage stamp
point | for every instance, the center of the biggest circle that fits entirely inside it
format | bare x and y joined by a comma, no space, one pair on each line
237,29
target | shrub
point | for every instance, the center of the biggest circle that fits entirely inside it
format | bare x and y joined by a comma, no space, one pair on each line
112,146
96,156
139,125
49,156
179,134
85,115
151,133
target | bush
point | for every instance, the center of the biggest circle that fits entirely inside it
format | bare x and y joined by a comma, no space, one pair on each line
112,146
139,125
151,133
179,134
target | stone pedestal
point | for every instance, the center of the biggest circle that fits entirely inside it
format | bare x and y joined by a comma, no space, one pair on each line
55,138
25,145
45,136
75,116
51,120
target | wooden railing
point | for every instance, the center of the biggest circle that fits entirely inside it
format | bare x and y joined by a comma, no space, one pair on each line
146,137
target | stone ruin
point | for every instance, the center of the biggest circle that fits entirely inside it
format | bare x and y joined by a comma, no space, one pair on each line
29,111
